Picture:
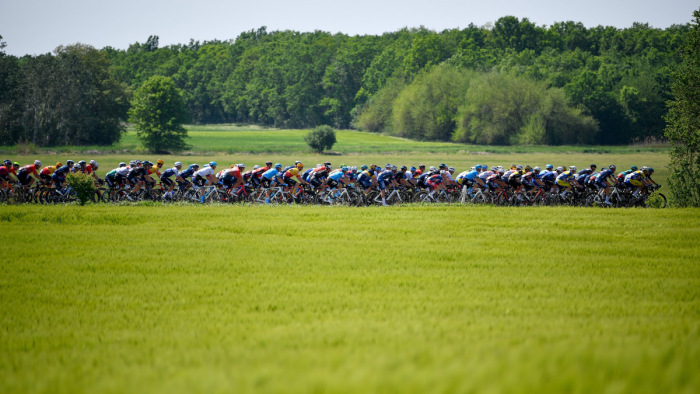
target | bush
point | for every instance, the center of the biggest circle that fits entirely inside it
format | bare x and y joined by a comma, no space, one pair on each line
83,185
321,138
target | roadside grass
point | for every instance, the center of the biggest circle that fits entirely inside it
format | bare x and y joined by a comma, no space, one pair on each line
408,299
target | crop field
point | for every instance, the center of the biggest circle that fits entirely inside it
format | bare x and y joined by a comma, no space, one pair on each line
153,298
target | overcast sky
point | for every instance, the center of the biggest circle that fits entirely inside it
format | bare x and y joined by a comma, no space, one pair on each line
39,26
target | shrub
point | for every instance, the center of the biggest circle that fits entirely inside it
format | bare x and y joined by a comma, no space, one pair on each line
321,138
83,185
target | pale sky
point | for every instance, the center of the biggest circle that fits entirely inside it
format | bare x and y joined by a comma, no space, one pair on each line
39,26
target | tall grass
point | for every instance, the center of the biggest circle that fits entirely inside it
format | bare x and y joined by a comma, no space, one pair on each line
302,299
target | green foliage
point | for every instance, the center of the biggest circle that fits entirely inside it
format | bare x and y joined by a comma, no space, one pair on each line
69,98
426,109
158,113
321,138
360,314
683,120
505,109
83,185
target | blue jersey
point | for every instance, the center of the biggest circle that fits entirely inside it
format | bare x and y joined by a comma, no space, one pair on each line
169,172
187,173
61,172
605,174
272,173
386,176
336,175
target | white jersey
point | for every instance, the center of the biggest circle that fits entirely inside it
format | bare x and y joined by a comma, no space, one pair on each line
204,172
122,171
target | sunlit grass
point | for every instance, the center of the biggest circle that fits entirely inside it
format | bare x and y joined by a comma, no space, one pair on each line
331,299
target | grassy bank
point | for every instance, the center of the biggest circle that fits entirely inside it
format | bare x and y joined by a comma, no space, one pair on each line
302,299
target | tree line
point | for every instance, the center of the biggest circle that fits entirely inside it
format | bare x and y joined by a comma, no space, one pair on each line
512,82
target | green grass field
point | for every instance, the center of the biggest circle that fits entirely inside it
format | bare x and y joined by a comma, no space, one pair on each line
112,299
233,139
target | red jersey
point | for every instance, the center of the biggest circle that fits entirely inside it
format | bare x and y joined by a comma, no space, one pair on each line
30,169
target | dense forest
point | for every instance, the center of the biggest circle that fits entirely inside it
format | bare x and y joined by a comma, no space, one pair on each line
512,82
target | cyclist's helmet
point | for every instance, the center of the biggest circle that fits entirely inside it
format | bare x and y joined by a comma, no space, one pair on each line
501,170
137,162
528,168
494,169
536,169
147,163
518,167
344,168
194,166
443,165
421,166
241,165
268,164
178,164
651,170
212,164
572,168
404,168
549,167
413,169
364,167
634,168
451,169
353,169
278,165
82,163
387,166
327,163
255,167
132,163
560,169
59,164
394,168
299,165
432,168
122,164
593,166
612,167
15,164
37,163
160,162
7,163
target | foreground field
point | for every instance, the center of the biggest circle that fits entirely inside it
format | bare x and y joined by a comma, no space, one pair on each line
313,299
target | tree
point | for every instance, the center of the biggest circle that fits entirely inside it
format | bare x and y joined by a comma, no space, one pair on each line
683,123
158,112
321,138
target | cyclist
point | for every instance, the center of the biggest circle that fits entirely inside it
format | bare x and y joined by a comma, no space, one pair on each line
28,173
385,178
274,174
205,176
46,173
165,179
294,172
337,179
258,172
366,178
319,175
232,177
621,176
59,176
639,179
135,175
5,170
604,180
566,180
187,174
